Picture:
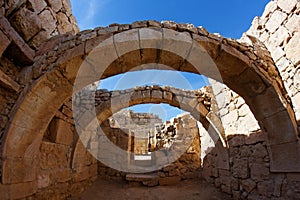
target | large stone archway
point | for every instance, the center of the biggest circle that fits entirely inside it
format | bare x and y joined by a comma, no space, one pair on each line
116,50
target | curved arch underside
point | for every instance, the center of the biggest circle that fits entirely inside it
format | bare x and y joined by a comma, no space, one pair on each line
103,52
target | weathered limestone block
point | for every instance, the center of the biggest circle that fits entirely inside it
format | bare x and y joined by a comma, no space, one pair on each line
238,140
280,37
81,175
48,20
259,151
53,156
64,22
26,23
248,185
293,24
265,188
283,64
38,5
61,132
4,42
4,191
56,5
259,172
275,21
277,53
293,50
16,172
8,83
240,168
67,7
287,5
270,8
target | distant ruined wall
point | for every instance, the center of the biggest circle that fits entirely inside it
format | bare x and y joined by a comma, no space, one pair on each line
186,167
139,124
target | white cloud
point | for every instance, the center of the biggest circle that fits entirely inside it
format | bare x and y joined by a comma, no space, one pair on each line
86,12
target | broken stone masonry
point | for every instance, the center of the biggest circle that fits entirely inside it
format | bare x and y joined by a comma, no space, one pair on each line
245,127
184,131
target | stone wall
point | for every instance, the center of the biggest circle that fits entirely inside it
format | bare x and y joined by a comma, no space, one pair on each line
279,29
38,20
66,167
119,137
188,165
234,113
249,176
24,26
140,126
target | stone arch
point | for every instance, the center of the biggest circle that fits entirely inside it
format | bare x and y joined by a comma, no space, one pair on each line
197,103
251,78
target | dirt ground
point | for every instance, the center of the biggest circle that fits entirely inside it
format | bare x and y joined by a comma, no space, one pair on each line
120,190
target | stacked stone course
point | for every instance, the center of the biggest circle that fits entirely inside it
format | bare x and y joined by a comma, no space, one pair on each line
249,175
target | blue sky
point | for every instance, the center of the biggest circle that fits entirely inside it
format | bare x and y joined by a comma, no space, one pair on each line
230,18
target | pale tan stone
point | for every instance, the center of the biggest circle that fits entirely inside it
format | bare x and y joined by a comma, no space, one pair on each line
26,23
61,132
150,38
280,37
48,20
277,53
270,8
293,24
287,5
56,5
38,5
293,50
178,43
275,21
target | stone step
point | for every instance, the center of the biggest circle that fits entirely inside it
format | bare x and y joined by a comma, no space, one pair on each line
146,179
143,163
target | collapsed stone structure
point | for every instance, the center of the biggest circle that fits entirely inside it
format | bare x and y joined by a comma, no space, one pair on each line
188,166
252,124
